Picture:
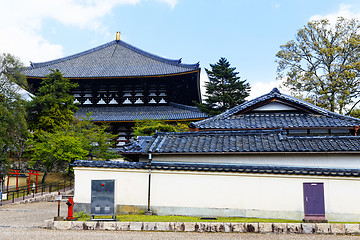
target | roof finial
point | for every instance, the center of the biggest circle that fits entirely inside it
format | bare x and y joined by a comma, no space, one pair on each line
275,90
118,36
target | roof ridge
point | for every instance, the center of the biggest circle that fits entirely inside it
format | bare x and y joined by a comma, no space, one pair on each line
226,132
176,62
324,137
274,93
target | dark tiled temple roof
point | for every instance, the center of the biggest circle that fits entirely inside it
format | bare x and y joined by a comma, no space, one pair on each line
173,111
240,168
277,120
260,141
114,59
318,117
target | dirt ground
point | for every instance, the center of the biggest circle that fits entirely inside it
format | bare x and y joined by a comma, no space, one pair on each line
26,221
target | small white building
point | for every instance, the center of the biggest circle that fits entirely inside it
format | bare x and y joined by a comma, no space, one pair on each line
271,157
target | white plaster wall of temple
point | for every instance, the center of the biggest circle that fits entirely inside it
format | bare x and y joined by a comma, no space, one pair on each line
329,160
222,194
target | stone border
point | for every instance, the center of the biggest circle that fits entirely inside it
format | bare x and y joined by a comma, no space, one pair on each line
282,228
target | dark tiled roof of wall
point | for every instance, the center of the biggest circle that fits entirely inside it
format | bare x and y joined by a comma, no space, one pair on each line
239,168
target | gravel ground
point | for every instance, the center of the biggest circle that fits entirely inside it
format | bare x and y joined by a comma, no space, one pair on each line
26,221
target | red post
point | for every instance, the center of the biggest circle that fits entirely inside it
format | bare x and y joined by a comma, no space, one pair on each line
36,173
70,204
7,186
14,172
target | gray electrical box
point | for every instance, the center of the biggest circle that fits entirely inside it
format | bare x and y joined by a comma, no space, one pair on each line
102,198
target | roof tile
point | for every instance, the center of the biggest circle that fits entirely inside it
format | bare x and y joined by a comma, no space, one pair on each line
240,141
113,59
173,111
213,167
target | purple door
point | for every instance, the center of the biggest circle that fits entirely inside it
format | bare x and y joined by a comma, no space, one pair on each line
314,204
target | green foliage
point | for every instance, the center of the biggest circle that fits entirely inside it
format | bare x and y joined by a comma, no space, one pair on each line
75,141
13,127
224,90
53,105
149,127
96,138
355,113
156,218
323,63
59,138
11,75
81,216
54,148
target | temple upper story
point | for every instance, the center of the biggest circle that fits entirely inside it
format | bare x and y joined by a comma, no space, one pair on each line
117,73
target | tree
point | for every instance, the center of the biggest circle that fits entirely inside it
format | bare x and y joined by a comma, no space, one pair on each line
97,140
323,63
13,127
224,90
11,75
149,127
58,137
355,113
53,106
56,149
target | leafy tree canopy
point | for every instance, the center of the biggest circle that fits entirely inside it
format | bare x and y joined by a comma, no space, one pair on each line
11,75
224,90
13,127
53,105
150,127
323,63
56,149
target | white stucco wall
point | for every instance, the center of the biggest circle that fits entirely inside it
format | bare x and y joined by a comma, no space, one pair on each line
229,194
130,185
330,160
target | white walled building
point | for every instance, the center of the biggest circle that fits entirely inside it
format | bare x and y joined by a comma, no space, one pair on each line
271,157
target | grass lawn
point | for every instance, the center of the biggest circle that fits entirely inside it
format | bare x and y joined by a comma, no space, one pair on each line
155,218
146,218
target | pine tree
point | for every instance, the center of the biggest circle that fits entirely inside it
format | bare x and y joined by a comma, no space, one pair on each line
224,90
53,106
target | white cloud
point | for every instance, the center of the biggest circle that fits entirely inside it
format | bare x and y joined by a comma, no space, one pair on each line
344,11
261,88
21,23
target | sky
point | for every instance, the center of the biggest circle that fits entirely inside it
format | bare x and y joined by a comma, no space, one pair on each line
247,32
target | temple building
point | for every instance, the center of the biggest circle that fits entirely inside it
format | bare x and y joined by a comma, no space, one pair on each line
120,84
274,156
